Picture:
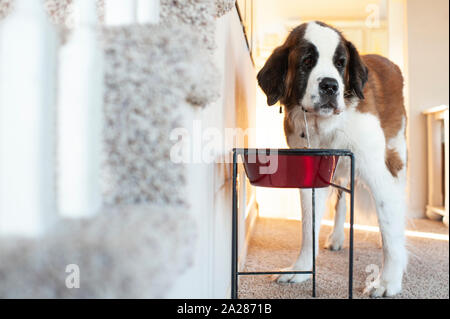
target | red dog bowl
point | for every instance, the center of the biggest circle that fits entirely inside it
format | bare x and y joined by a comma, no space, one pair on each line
290,171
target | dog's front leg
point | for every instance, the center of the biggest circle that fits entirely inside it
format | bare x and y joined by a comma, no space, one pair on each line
304,260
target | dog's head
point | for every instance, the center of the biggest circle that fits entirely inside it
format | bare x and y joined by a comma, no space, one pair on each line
316,69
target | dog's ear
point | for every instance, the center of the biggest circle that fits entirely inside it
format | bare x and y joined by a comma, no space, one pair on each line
272,76
357,71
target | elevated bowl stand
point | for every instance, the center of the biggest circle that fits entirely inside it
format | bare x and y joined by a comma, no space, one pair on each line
297,168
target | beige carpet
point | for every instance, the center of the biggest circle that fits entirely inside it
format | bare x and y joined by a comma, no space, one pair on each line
275,244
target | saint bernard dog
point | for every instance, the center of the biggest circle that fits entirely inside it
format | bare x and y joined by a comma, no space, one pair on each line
348,101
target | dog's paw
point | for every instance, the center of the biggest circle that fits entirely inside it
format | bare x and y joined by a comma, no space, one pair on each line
335,241
383,289
290,278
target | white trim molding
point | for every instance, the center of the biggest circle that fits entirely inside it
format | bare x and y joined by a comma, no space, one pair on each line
437,135
27,108
80,101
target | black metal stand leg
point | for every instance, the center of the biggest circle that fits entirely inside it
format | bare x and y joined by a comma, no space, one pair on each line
234,234
313,242
350,262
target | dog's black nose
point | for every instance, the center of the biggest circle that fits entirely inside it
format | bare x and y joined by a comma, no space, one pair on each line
328,86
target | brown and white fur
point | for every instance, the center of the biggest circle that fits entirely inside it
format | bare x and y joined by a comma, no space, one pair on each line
351,102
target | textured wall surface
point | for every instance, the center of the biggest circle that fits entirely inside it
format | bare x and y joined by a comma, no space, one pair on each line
224,6
58,10
5,7
199,14
151,73
120,254
153,76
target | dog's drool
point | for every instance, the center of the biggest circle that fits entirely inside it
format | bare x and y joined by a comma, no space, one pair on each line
306,127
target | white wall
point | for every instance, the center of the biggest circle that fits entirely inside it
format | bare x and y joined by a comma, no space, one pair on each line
428,69
210,183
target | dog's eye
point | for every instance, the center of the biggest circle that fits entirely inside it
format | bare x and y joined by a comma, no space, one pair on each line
307,62
340,63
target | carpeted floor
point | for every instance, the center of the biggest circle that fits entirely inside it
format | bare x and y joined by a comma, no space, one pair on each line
275,244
